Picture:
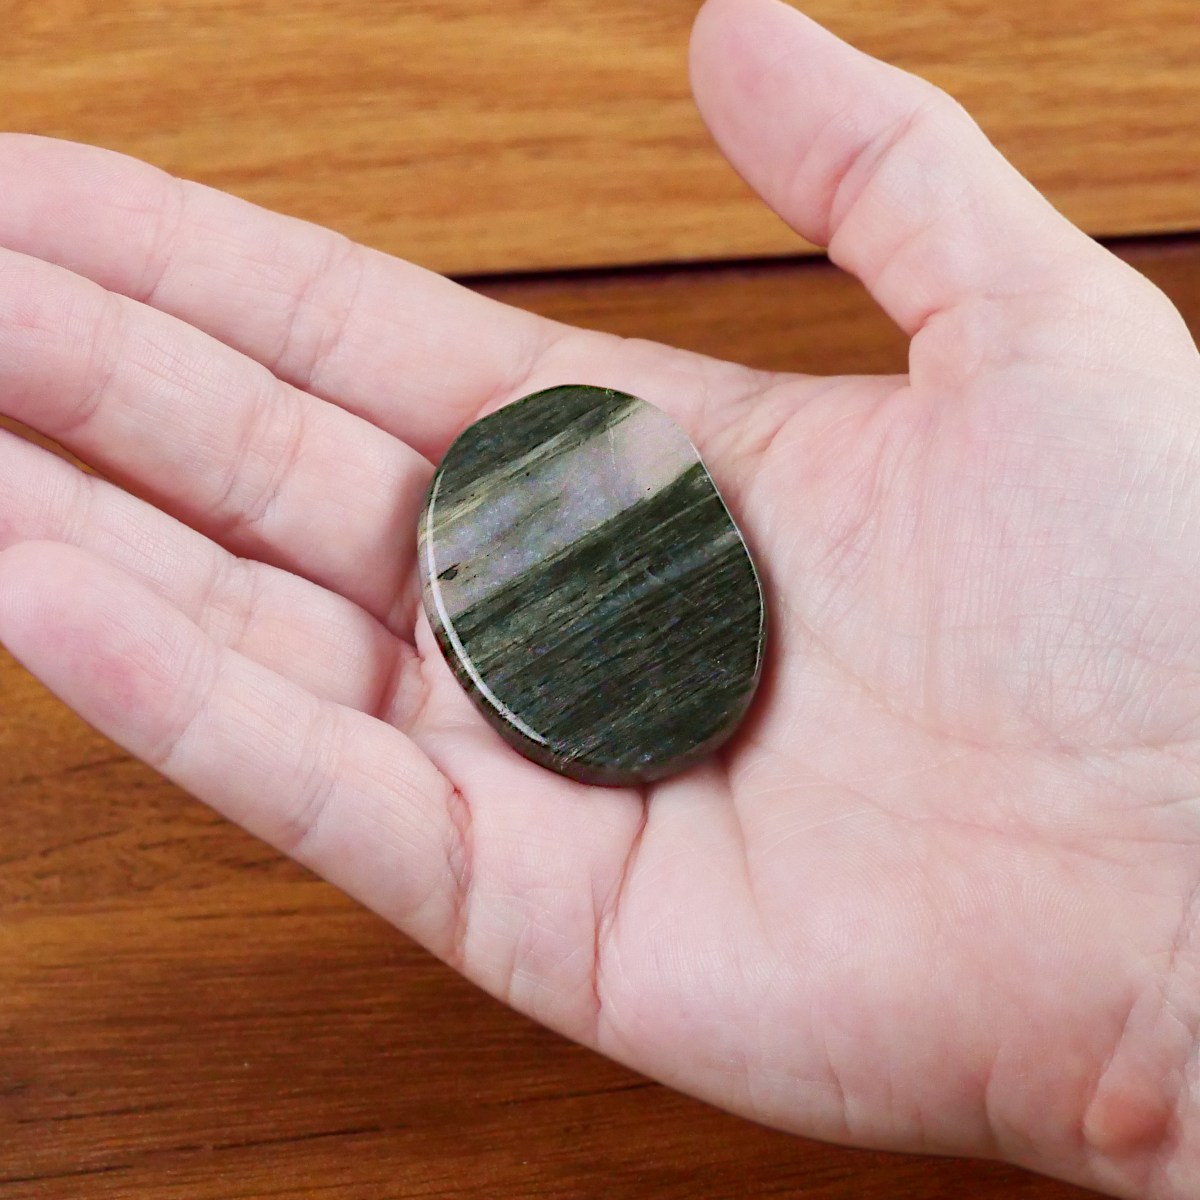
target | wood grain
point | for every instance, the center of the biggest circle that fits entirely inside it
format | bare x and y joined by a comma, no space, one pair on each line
535,134
186,1015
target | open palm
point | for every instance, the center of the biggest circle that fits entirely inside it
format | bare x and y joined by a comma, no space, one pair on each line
939,893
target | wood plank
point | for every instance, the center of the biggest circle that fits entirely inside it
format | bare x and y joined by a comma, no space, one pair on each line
185,1014
531,134
791,315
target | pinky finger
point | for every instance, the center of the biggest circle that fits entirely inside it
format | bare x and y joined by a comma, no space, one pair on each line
345,794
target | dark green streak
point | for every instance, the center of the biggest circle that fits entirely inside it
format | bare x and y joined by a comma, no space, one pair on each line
575,414
639,644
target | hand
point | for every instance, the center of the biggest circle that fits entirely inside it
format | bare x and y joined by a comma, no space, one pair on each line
940,893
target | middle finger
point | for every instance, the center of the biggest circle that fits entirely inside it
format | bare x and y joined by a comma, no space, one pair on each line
208,435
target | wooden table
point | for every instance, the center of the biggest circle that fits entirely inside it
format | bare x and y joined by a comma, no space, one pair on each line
186,1014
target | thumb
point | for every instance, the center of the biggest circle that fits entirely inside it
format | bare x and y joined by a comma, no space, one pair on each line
881,167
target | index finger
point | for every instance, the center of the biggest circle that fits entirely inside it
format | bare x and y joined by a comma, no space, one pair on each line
404,348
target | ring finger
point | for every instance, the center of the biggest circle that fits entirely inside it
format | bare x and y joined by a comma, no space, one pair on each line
315,638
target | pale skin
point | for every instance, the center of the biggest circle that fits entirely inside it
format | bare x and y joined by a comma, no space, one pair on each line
940,892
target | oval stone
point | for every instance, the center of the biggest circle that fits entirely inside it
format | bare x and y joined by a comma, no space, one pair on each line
589,588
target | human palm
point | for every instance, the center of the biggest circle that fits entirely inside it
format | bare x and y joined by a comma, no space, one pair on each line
938,892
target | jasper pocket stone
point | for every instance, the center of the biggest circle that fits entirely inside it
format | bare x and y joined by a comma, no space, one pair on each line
589,588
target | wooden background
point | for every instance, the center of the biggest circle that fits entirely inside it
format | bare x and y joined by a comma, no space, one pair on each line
185,1014
478,136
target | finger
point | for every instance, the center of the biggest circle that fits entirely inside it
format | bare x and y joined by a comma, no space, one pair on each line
344,793
210,436
408,350
878,165
403,348
317,639
509,889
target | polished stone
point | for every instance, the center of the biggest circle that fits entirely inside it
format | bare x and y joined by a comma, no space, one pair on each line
589,588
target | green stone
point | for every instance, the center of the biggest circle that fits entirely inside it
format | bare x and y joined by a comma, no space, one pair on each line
589,588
